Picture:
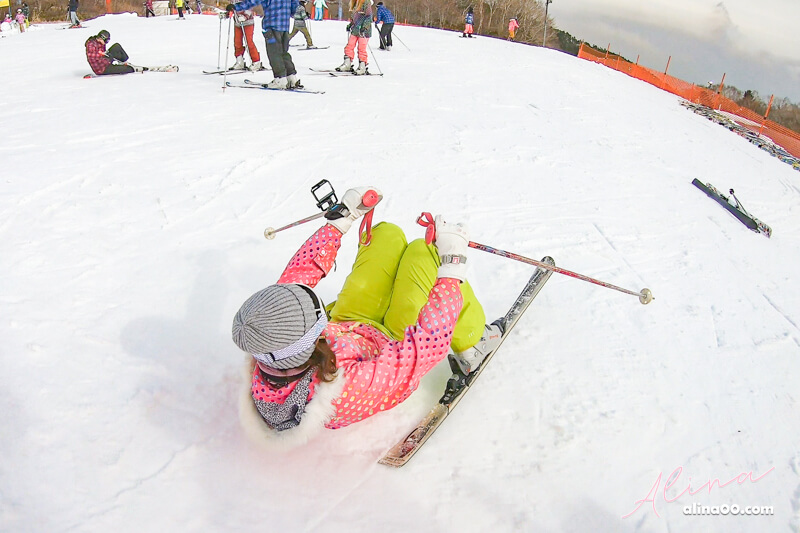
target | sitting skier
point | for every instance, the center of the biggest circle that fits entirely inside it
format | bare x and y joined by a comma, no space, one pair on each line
102,61
402,308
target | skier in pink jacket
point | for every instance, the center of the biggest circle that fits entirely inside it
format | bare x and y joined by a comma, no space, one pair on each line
402,308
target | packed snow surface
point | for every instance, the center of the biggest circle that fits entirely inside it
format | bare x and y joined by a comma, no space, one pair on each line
132,217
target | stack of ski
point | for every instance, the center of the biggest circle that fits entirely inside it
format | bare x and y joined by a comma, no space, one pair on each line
459,384
734,207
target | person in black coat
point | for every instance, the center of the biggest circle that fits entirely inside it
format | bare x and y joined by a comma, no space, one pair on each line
73,14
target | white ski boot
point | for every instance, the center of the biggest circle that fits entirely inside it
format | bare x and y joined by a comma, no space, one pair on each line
293,82
469,360
239,65
347,66
278,83
256,66
361,70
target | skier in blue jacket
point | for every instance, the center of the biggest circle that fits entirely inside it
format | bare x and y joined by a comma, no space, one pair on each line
275,26
386,19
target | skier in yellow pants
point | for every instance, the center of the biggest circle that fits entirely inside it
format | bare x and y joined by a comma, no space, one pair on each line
390,283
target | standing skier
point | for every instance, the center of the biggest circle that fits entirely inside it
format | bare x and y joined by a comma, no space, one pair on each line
20,18
512,28
360,28
148,9
73,14
300,17
319,7
275,26
179,5
386,19
400,311
243,25
469,20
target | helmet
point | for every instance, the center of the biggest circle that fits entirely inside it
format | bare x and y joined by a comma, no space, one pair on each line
103,34
19,10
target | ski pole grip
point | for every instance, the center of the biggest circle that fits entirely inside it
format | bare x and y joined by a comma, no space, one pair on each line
426,221
370,198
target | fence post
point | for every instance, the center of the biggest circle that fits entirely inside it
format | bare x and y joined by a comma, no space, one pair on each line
664,79
769,106
719,91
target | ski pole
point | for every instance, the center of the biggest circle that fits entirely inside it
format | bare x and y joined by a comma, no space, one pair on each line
401,40
269,233
380,36
227,53
370,199
426,220
219,42
374,58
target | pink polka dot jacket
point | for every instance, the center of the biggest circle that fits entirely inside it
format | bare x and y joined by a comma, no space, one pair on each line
375,373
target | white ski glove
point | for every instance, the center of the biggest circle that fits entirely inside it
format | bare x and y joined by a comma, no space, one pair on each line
452,241
354,201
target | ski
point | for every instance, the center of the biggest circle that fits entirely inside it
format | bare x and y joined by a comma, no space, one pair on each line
334,72
731,203
263,86
312,48
165,68
232,71
459,384
340,74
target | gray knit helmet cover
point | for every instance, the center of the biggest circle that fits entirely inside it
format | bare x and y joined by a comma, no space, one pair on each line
278,317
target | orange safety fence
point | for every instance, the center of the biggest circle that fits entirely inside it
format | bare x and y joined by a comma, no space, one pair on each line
780,135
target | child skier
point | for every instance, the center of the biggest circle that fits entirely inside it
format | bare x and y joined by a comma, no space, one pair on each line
275,26
512,28
386,19
300,16
20,18
401,309
319,7
360,28
468,21
243,25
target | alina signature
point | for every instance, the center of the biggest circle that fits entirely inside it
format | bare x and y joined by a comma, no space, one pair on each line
672,481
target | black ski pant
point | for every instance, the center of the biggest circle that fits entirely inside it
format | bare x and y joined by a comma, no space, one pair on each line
117,52
386,34
149,12
278,53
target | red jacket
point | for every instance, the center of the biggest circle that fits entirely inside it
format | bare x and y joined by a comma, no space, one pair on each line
95,55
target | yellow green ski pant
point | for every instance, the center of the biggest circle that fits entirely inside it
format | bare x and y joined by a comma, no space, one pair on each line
390,283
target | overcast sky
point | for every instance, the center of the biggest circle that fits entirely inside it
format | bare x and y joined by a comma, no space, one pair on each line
756,43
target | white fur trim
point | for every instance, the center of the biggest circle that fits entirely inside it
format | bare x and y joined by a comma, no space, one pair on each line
318,412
